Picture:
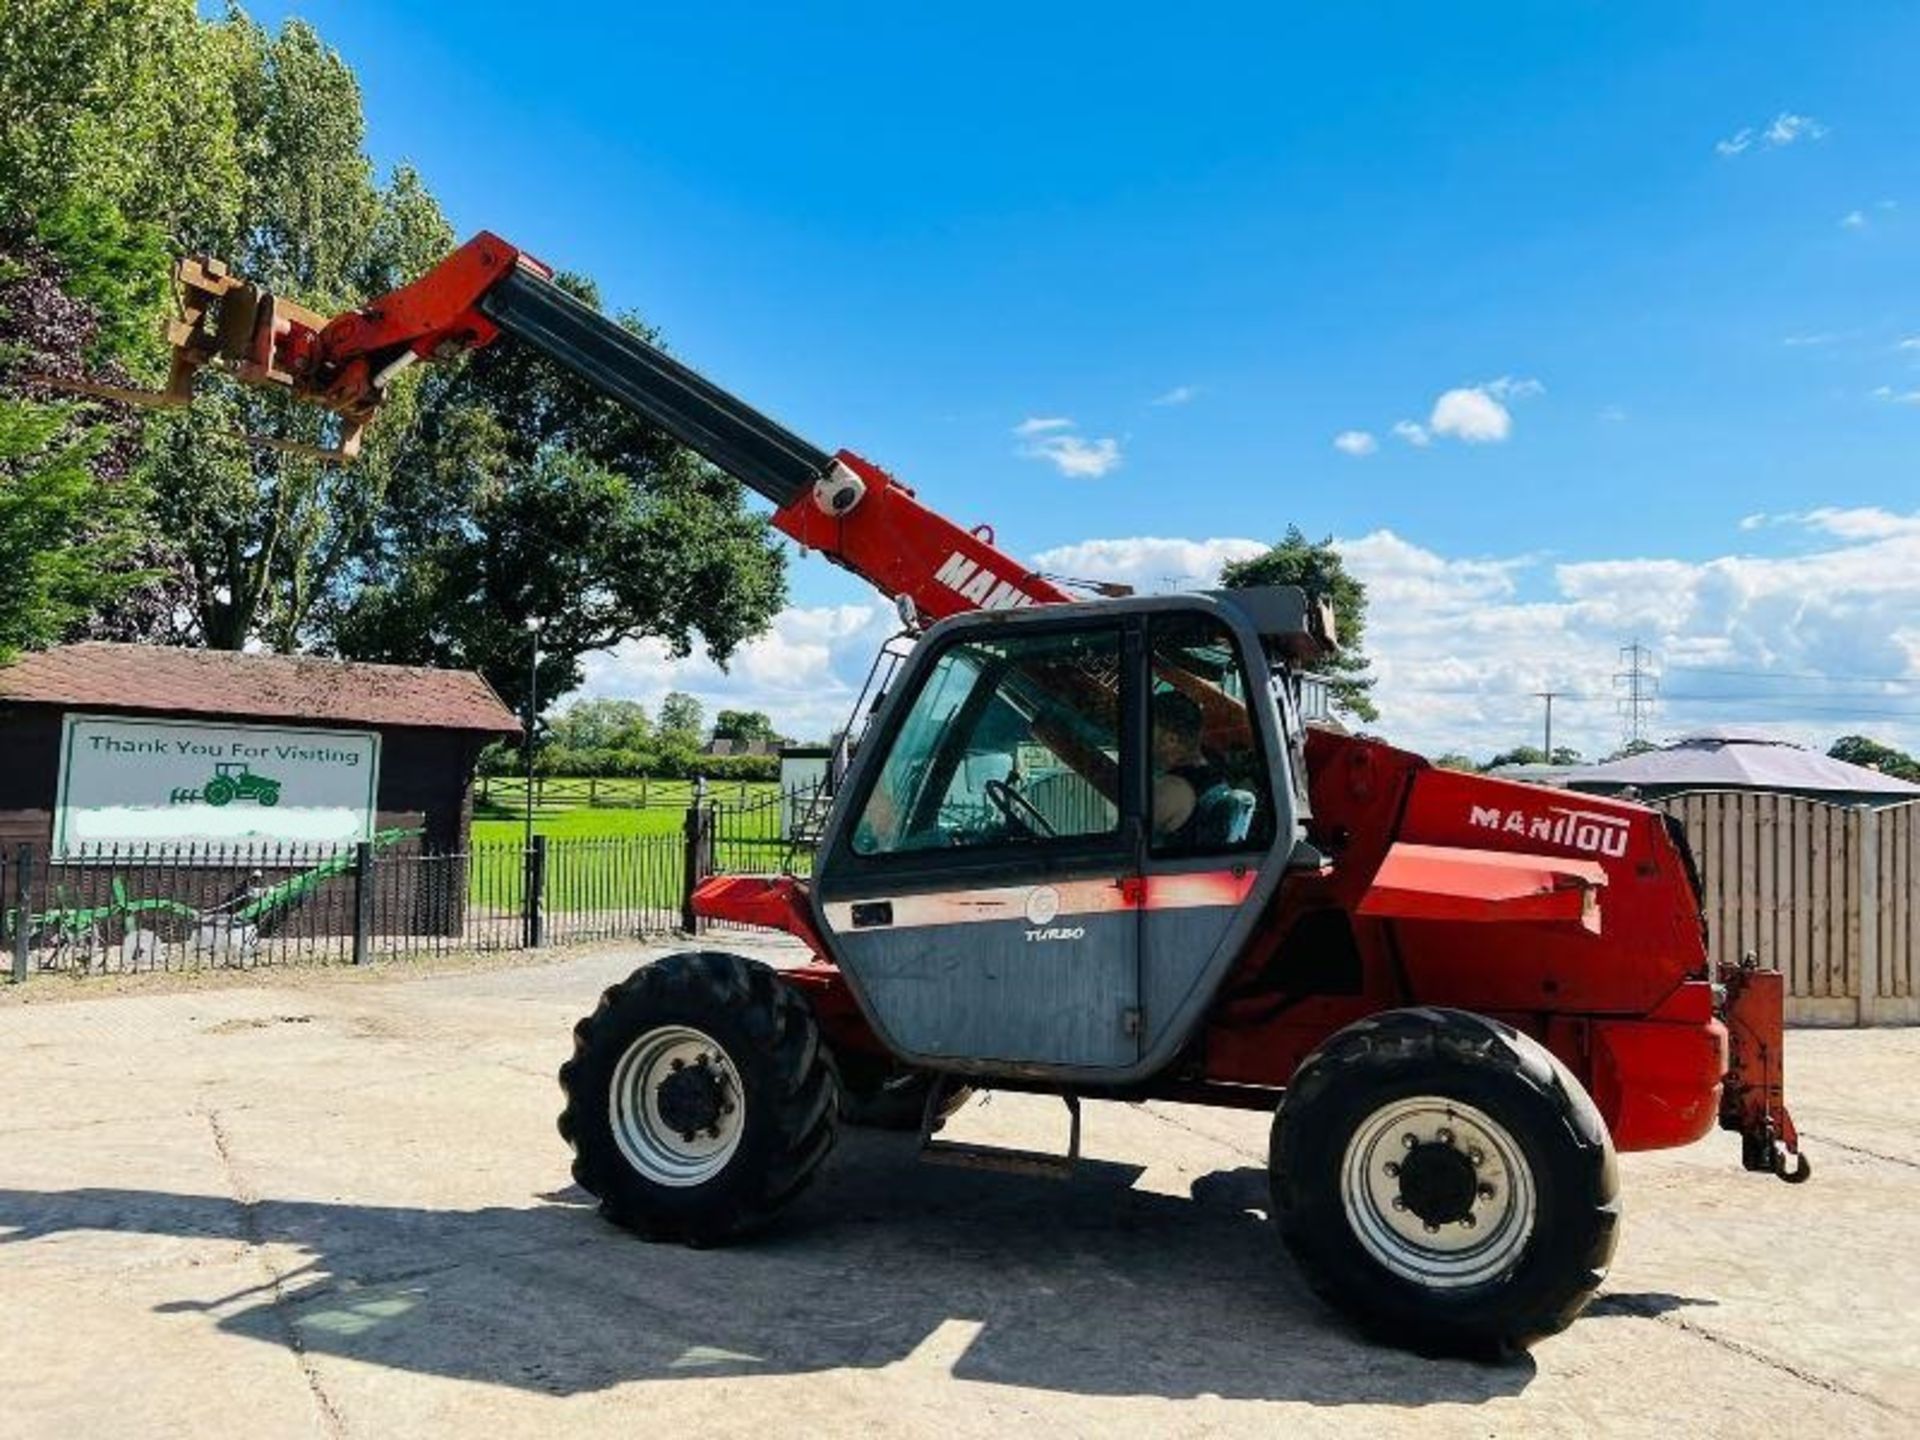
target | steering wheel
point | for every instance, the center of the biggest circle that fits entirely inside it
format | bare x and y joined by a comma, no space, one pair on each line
1018,809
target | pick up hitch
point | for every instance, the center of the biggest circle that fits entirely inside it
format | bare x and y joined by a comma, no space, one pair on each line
1753,1096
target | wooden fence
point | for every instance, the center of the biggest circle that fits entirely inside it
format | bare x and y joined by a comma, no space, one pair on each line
1829,894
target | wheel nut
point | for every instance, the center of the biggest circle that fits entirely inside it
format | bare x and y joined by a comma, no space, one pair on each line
1484,1190
1407,1141
713,1132
1392,1170
726,1107
701,1058
686,1137
1475,1158
1445,1137
1432,1229
1398,1203
1467,1220
676,1063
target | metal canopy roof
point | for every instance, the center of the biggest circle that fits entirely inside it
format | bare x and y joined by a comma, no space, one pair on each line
1736,761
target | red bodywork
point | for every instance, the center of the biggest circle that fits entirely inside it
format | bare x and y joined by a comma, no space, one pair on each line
1573,918
1570,917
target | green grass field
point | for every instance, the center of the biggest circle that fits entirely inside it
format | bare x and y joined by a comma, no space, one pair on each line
494,826
606,855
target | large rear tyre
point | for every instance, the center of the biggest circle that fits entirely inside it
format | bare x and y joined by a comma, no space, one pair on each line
1445,1181
699,1098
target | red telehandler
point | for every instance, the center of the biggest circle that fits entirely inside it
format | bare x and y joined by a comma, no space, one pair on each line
1090,849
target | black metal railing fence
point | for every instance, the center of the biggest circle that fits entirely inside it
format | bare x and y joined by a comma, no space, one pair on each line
195,907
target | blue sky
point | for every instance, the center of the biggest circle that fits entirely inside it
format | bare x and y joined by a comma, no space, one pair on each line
1632,281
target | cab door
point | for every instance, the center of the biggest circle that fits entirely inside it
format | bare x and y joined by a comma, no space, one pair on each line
1214,807
978,887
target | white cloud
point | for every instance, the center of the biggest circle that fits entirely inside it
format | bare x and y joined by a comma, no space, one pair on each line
1470,414
805,671
1355,442
1071,455
1912,342
1896,397
1042,424
1461,643
1824,337
1148,563
1178,395
1413,434
1853,220
1508,387
1786,128
1051,438
1859,522
1613,414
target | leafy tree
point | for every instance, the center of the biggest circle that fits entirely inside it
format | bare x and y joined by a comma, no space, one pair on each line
522,492
1859,750
63,532
1534,755
69,512
602,725
681,717
264,535
1318,569
744,727
1455,760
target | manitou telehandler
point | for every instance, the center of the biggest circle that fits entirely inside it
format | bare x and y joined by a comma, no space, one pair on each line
1090,849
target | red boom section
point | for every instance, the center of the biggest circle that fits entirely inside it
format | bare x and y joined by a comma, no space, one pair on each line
901,547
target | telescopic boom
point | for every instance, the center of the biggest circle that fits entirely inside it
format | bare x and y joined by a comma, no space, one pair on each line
846,507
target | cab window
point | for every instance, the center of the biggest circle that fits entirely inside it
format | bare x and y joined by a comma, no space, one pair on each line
1208,786
1011,741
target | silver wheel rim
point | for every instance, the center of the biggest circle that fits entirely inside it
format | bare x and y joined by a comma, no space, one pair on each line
1442,1253
661,1151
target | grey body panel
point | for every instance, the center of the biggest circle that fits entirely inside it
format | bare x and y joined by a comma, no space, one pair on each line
983,991
1177,947
972,1003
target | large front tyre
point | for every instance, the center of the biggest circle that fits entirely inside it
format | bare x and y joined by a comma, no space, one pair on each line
1445,1181
699,1099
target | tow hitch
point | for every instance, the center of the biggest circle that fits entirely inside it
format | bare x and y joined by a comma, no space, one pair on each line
1753,1098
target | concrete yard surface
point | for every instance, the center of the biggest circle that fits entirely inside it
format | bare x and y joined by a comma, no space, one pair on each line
330,1204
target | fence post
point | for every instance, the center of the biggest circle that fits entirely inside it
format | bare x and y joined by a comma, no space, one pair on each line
362,900
696,851
23,913
1867,889
536,892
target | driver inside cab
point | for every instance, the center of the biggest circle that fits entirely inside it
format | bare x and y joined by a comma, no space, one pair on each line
1182,773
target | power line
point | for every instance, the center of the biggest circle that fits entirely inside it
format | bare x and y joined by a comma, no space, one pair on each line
1641,684
1822,675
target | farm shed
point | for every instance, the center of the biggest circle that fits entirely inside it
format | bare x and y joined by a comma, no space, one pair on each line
221,736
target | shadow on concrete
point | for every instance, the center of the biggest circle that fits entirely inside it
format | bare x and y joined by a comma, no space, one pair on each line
1086,1286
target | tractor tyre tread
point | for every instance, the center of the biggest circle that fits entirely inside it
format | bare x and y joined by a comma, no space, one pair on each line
769,1034
1520,1083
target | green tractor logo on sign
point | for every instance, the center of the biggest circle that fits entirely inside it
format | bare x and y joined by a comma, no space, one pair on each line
234,780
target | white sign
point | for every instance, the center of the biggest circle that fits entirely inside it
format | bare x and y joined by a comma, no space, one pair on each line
181,787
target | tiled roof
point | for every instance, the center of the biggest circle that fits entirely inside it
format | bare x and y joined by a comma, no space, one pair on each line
99,675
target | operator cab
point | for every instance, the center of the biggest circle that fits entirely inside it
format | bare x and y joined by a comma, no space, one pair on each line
1062,825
